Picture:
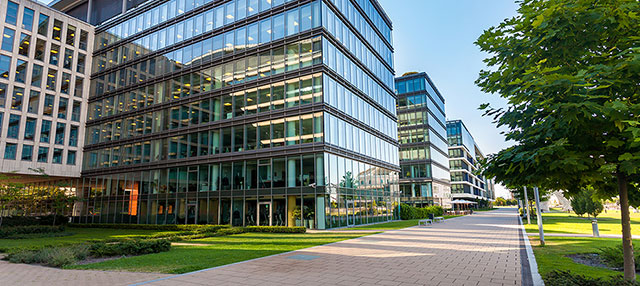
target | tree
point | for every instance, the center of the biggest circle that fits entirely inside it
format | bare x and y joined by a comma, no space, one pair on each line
586,202
9,193
569,70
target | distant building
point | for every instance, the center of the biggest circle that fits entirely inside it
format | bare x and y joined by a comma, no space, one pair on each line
464,155
45,66
424,179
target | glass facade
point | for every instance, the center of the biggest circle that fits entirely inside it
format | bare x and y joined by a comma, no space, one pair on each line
242,113
424,162
464,157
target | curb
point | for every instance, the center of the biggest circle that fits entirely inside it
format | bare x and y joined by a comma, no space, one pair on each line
533,265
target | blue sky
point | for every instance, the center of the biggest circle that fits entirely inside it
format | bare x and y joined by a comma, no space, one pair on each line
436,36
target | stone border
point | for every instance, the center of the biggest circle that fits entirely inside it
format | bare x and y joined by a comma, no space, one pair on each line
530,274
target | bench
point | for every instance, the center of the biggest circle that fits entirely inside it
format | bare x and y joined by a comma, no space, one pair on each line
425,222
438,219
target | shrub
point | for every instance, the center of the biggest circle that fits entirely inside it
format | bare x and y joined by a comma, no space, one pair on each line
161,227
566,278
134,247
51,256
612,256
408,212
276,229
9,232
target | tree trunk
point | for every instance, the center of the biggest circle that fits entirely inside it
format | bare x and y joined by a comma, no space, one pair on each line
627,243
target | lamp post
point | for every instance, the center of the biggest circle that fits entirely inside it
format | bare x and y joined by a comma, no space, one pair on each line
526,203
539,213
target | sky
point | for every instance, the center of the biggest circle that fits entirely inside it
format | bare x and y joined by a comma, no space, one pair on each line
437,36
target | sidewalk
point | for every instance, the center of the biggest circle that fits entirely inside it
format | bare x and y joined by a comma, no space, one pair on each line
482,249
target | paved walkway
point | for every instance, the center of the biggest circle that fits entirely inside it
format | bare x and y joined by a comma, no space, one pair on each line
482,249
24,274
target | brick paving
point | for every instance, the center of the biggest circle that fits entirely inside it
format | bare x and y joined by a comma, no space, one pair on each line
482,249
24,274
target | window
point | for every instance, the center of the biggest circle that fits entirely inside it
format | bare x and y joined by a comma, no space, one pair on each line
18,94
45,131
10,149
62,108
78,87
57,156
21,71
36,75
60,133
71,157
54,54
34,102
84,35
48,105
27,152
14,126
57,29
3,95
27,19
30,129
71,35
23,49
43,154
81,63
66,81
5,66
75,111
73,136
7,39
40,47
43,24
12,13
51,79
68,58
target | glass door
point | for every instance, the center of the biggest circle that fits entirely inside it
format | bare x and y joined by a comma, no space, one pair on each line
350,212
192,210
264,214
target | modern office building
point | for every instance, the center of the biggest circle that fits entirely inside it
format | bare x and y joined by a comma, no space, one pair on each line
242,112
44,90
464,155
424,179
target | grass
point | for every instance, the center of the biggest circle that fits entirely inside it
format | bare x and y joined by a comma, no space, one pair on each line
78,235
394,224
216,251
553,255
562,222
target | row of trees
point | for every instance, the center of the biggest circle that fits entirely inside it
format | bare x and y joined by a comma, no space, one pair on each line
504,202
20,199
569,71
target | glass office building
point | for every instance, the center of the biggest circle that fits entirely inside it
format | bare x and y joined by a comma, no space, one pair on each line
243,112
424,179
464,156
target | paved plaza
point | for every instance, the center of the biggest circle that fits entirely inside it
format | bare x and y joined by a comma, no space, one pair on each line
481,249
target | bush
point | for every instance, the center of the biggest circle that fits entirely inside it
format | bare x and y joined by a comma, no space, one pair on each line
34,220
51,256
135,247
566,278
230,231
161,227
612,256
16,231
408,212
276,229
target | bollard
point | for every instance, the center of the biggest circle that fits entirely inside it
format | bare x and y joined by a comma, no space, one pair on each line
594,226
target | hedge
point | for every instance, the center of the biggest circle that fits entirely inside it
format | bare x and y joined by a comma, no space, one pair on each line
17,231
160,227
34,220
408,212
135,247
567,278
276,229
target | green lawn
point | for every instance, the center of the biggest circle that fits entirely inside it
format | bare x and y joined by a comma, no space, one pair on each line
394,224
79,235
562,222
218,251
553,255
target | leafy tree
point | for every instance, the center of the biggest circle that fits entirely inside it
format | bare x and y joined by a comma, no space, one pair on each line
569,70
9,193
586,202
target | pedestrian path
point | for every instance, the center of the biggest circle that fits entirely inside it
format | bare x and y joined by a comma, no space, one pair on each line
481,249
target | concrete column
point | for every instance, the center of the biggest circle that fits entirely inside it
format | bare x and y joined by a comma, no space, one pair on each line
320,215
291,205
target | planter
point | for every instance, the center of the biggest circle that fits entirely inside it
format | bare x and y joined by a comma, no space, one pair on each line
298,222
309,223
